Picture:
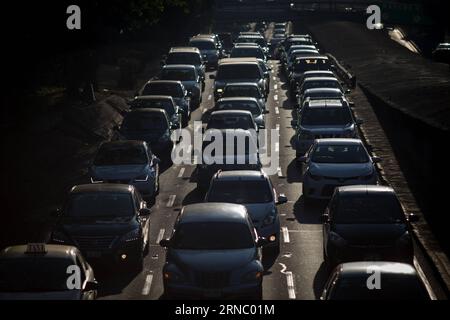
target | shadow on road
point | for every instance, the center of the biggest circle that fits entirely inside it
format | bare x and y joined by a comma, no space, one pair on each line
309,214
294,173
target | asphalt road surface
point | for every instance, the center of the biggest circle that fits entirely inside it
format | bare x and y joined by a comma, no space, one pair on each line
297,273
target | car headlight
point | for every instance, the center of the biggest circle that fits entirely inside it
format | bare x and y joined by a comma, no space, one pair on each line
131,236
59,237
252,276
314,176
270,218
337,239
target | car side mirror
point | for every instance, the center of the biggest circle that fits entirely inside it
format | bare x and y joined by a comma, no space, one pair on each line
302,159
156,160
282,199
261,126
91,286
348,91
212,76
412,217
325,218
376,159
261,242
165,243
144,212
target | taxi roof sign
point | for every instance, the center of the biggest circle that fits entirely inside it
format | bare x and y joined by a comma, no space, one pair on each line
36,248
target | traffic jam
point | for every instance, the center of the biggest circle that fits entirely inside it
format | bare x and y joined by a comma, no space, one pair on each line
314,223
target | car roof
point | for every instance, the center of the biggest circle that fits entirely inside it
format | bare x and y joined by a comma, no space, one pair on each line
147,111
311,79
185,49
179,66
339,141
234,99
102,187
364,189
242,84
239,61
318,71
247,175
153,97
51,251
323,103
312,90
205,39
231,112
246,46
385,268
213,212
313,57
165,82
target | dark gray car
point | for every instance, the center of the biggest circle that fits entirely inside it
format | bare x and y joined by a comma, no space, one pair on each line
214,252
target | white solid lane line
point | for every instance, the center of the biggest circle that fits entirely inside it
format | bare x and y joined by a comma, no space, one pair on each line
277,127
180,175
279,172
285,234
275,97
290,285
147,285
277,147
171,201
275,87
209,97
160,235
274,78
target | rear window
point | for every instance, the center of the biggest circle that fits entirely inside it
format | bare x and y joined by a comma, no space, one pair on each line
154,104
238,71
368,209
163,89
241,192
302,65
143,122
230,122
253,107
326,117
178,74
339,154
203,45
184,58
242,91
247,52
212,236
321,84
121,156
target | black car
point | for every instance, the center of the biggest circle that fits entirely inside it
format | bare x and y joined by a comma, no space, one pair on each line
397,281
151,126
213,253
107,222
366,223
165,103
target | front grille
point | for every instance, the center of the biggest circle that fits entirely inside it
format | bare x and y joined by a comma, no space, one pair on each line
95,243
213,279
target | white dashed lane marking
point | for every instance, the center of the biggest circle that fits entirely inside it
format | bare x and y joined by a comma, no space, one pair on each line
277,110
285,234
181,173
161,234
147,285
171,201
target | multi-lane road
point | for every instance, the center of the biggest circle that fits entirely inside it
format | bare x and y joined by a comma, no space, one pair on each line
297,273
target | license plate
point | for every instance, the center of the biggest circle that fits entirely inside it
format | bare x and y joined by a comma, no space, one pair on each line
93,254
212,293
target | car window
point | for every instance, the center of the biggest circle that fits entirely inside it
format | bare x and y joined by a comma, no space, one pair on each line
339,154
238,71
253,107
212,236
100,204
326,116
230,122
178,74
241,192
241,91
154,104
247,52
368,209
184,58
163,89
202,45
156,122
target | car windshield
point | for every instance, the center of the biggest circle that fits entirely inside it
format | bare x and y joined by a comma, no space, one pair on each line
184,58
311,84
100,204
212,236
142,122
178,74
34,274
163,89
243,147
242,91
230,122
253,107
369,208
394,287
323,94
132,155
238,71
241,192
247,52
155,104
326,116
203,45
339,154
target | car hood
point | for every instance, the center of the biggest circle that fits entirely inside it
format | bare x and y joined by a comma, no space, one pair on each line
51,295
341,170
212,260
126,172
370,234
258,211
97,226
